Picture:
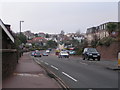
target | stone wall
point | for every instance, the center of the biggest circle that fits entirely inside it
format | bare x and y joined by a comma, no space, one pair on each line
111,52
9,61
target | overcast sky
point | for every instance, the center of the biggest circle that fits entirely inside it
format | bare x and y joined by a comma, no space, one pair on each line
52,17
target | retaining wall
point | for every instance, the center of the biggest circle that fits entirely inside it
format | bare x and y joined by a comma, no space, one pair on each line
111,52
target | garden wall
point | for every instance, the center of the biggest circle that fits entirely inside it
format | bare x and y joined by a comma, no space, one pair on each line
109,52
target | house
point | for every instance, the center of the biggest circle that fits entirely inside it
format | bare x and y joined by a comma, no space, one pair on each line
7,38
28,34
40,41
9,53
41,34
98,32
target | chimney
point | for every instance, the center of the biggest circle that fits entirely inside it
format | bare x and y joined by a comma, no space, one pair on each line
8,26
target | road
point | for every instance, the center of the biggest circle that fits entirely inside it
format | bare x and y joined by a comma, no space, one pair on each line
77,73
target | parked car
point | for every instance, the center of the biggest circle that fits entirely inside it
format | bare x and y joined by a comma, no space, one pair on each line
33,53
47,51
37,54
71,52
63,54
91,53
50,49
45,54
57,52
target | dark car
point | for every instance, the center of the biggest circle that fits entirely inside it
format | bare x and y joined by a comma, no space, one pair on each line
37,54
91,53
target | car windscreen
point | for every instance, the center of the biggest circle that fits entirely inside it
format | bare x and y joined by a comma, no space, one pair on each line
37,52
92,50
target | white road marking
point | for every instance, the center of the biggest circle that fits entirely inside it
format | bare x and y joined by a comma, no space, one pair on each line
69,76
41,61
37,59
54,67
84,63
46,63
38,62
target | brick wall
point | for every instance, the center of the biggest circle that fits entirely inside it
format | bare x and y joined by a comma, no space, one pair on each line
111,52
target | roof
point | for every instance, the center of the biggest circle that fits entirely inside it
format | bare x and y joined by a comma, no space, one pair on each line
6,31
37,38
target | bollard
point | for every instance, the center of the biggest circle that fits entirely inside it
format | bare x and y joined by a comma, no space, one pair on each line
119,59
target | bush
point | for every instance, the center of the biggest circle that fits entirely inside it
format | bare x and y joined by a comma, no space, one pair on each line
79,51
106,41
94,43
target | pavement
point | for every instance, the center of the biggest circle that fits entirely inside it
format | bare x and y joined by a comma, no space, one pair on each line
29,74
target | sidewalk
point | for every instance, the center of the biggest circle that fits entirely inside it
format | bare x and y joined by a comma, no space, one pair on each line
29,74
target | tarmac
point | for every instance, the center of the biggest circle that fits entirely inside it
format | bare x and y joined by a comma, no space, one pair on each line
28,74
111,64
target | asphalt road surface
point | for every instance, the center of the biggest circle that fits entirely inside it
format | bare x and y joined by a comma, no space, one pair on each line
77,73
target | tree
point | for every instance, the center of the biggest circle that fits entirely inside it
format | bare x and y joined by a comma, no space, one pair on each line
111,27
36,35
118,29
51,44
22,38
62,32
78,32
47,36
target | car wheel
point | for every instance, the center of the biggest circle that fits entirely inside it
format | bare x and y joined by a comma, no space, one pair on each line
98,59
83,58
94,59
88,58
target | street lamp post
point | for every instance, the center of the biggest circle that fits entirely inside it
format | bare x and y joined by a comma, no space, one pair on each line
20,26
21,51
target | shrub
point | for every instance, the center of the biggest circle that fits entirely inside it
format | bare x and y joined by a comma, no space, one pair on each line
94,43
106,41
79,51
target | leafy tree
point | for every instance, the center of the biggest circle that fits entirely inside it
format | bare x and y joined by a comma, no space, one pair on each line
19,39
111,27
106,41
118,29
62,32
51,44
22,38
47,36
36,35
75,42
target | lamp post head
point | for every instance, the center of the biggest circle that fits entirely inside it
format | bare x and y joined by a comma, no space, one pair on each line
21,21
